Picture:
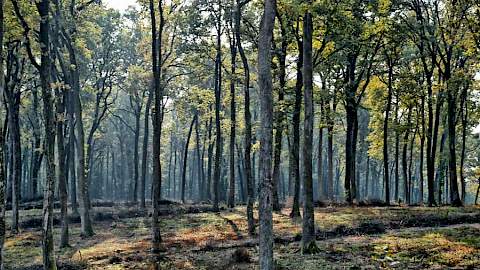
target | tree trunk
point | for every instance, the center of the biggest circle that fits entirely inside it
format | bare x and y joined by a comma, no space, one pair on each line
266,129
145,149
218,127
280,114
385,132
308,228
296,129
44,70
452,158
248,124
185,157
62,168
136,141
3,176
233,56
157,121
406,190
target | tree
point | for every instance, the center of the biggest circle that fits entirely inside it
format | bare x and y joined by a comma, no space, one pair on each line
266,110
3,175
308,228
157,118
248,121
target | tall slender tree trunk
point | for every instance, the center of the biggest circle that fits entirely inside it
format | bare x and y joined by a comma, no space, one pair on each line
233,56
199,159
266,131
452,158
295,213
464,115
185,157
218,100
3,176
248,124
386,177
62,168
45,69
406,190
146,134
308,228
422,150
157,120
136,141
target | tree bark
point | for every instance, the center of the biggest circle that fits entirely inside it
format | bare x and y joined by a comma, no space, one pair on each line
157,120
308,228
266,131
44,70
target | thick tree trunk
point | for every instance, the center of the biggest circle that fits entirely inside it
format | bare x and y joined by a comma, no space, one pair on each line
45,69
157,121
308,228
266,131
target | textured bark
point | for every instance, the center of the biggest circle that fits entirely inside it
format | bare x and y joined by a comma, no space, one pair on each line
308,228
266,131
44,70
157,120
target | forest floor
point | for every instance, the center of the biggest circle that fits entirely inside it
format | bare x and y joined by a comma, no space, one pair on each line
196,238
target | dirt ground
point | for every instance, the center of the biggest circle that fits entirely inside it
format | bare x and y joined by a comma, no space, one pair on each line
196,238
